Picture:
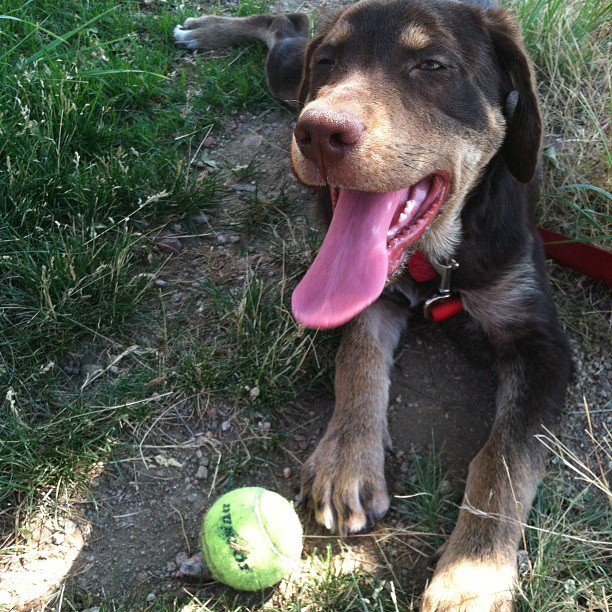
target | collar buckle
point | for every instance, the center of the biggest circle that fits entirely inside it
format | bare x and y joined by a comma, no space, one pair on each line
444,290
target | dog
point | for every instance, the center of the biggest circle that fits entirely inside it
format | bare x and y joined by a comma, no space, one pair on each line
419,125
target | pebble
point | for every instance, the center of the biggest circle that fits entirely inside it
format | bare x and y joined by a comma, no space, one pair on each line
150,597
160,282
221,239
58,538
171,566
192,568
202,473
209,141
287,472
254,393
225,425
252,141
180,558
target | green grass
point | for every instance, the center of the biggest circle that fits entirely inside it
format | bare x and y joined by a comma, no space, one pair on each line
566,41
249,340
94,146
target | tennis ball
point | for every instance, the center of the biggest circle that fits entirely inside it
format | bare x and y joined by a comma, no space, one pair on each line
251,538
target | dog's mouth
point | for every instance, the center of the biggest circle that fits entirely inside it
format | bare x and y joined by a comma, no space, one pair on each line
365,244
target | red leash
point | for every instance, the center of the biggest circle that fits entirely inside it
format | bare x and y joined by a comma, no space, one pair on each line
584,258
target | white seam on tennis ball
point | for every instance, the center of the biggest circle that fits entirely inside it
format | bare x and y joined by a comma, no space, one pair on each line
263,528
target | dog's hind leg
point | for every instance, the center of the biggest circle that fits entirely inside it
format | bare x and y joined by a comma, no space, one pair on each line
285,35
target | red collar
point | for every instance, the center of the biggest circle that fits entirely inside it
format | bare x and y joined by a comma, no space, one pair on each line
442,305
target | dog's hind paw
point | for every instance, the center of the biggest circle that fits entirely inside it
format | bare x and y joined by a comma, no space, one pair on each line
185,37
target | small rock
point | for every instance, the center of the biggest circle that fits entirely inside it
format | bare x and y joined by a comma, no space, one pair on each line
177,227
156,382
150,597
234,239
253,141
398,399
170,245
221,239
254,393
192,498
113,369
225,425
202,473
160,282
180,558
167,461
192,568
265,425
287,472
209,141
244,187
171,566
58,538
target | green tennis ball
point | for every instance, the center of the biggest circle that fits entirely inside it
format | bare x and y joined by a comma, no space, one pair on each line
251,538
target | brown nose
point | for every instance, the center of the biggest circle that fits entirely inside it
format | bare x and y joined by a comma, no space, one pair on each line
327,136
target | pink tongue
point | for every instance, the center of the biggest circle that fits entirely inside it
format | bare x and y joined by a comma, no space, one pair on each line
350,271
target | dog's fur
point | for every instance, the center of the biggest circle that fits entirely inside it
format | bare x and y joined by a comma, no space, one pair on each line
480,119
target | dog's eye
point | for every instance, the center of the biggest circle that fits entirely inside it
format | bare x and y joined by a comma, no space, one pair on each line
430,65
326,62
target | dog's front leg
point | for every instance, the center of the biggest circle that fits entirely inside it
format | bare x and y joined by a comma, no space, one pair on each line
344,477
477,571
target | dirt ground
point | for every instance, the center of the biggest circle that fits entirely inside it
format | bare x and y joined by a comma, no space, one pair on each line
141,522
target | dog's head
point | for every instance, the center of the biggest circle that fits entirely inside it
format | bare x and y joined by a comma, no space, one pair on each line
403,104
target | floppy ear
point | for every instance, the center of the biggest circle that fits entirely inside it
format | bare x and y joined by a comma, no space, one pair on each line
304,88
521,147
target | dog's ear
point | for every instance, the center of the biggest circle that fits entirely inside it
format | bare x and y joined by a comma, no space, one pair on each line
521,147
304,88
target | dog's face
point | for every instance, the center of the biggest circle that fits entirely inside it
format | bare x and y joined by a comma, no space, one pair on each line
403,106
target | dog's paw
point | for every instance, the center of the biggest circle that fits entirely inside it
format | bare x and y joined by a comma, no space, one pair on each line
184,38
466,585
189,33
345,483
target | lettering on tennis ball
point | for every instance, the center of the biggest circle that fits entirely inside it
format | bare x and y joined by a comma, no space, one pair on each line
239,553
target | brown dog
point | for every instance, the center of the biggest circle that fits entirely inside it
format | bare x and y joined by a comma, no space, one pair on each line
419,122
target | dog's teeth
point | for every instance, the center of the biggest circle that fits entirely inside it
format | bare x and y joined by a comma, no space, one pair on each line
410,206
403,217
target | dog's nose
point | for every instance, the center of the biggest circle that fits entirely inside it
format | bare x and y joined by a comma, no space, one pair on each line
324,136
